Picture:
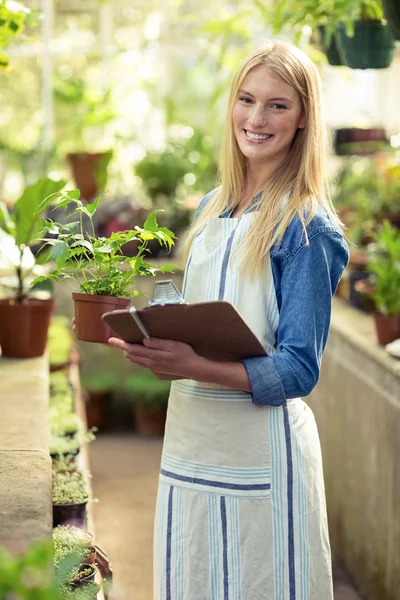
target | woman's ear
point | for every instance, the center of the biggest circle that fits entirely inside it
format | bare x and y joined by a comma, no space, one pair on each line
302,121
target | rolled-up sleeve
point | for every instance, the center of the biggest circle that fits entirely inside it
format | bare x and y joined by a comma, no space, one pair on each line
307,285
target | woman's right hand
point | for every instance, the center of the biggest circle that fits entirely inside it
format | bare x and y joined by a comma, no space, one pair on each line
73,324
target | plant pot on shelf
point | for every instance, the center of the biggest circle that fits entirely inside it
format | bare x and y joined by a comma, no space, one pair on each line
24,327
393,218
391,9
360,141
70,514
371,47
387,328
80,583
149,420
89,172
88,312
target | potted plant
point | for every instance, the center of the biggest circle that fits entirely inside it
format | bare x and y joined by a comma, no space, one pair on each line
68,539
383,285
366,41
24,318
360,141
69,499
392,13
59,343
64,422
100,272
362,40
62,446
150,398
60,383
99,387
88,113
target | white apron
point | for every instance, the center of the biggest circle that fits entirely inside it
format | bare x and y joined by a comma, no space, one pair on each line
241,511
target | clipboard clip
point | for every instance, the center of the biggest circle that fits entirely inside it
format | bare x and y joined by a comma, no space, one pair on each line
138,321
166,292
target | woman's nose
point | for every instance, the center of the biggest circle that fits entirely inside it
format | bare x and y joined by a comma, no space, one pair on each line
258,117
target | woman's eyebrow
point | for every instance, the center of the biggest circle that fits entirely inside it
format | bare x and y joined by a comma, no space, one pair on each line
269,100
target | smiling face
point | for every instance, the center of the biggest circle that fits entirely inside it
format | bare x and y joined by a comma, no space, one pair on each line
266,115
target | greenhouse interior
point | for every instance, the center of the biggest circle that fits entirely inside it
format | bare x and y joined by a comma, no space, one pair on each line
172,450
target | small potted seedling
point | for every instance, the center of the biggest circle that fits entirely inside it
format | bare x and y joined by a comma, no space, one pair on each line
69,499
68,539
102,275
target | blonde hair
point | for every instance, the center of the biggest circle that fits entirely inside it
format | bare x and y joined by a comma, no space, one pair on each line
301,177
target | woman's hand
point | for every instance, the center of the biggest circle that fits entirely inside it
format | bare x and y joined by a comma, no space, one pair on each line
163,356
73,325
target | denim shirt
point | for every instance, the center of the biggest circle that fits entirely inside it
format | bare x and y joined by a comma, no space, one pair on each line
305,279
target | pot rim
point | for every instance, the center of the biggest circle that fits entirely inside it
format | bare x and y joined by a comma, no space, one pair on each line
80,297
73,503
27,301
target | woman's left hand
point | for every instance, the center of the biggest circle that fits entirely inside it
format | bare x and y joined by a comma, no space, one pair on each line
162,356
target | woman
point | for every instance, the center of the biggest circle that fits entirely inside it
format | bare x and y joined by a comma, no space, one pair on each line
241,511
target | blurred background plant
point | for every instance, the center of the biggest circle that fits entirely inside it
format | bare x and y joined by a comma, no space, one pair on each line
366,190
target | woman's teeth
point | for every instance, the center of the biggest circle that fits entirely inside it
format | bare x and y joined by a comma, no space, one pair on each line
257,136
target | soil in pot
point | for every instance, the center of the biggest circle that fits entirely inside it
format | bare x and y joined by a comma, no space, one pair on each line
24,327
149,420
88,578
387,328
70,514
89,309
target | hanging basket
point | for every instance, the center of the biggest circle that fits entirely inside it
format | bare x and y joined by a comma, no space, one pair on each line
331,50
371,47
391,8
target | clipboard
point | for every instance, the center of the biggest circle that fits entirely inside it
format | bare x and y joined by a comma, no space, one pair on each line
215,330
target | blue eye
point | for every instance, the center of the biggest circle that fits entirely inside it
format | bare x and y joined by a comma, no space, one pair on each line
245,99
279,106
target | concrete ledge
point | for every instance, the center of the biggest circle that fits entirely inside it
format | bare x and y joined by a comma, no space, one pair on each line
25,463
24,404
25,497
357,408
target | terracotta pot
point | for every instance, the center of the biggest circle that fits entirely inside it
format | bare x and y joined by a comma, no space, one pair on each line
387,328
149,421
84,167
24,327
88,311
70,514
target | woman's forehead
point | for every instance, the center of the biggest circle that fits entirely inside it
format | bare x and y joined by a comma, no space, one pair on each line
261,80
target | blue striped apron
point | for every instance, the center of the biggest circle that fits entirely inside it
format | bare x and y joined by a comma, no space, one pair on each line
241,511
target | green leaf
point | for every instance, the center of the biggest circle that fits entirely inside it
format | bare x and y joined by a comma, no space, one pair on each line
6,222
150,223
59,253
84,243
169,268
93,206
28,221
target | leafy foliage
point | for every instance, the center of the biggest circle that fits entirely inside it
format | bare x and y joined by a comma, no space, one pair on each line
97,265
385,266
69,488
28,576
297,13
144,387
18,230
13,18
